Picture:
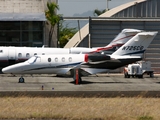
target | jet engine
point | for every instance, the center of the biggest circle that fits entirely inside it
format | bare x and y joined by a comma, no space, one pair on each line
98,57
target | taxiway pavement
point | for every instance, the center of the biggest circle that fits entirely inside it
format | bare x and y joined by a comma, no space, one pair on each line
107,85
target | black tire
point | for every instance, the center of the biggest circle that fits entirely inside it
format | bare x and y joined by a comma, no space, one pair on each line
128,76
151,74
21,80
125,75
80,80
140,76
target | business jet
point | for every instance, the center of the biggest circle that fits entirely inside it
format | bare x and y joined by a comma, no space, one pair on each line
86,64
13,55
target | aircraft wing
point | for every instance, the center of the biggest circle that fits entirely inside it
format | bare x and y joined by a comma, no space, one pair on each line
91,71
63,71
88,71
94,63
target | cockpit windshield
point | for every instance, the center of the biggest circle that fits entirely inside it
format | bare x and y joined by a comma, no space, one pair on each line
32,59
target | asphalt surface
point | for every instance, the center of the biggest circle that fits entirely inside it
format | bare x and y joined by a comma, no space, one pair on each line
101,85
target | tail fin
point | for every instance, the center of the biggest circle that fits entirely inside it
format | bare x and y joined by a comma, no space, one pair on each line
119,40
136,45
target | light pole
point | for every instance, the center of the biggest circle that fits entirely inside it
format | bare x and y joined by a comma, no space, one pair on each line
107,8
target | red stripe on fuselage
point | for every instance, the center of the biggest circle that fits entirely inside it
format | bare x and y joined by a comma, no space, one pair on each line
110,47
106,48
123,38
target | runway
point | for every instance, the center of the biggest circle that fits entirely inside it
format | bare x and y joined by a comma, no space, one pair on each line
102,85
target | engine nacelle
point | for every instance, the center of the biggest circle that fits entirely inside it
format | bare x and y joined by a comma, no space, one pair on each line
98,57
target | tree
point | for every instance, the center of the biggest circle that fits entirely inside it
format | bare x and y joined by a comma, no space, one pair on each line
99,12
52,17
65,34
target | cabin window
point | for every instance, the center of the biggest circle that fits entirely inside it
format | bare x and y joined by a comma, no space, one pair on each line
27,55
70,59
19,54
49,59
56,59
63,59
43,53
35,53
1,51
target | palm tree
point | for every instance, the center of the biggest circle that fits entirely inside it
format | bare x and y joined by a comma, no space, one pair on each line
52,17
99,12
65,34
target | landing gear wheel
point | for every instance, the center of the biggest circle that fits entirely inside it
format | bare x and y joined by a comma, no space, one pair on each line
80,80
140,76
128,76
125,75
151,75
21,80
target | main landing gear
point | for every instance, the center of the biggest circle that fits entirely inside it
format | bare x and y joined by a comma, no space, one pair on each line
21,80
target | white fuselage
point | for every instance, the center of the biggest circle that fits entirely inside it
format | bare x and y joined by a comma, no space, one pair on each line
47,64
12,55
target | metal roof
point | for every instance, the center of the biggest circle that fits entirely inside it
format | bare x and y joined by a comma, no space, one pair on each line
113,18
22,17
76,39
115,10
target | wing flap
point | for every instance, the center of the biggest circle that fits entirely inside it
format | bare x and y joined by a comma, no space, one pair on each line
64,71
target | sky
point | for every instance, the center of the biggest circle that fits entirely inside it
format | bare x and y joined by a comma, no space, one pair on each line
70,8
84,8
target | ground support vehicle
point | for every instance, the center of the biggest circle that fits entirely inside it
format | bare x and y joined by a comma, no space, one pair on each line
138,69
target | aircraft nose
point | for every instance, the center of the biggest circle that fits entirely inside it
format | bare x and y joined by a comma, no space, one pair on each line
6,70
17,68
10,69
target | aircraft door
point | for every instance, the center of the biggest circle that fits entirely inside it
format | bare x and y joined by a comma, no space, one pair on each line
12,56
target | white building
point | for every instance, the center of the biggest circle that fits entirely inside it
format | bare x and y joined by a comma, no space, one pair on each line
23,23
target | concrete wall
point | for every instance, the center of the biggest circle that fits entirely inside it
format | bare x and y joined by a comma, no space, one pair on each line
21,6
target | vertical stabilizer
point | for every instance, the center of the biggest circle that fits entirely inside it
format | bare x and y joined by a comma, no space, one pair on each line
136,45
119,40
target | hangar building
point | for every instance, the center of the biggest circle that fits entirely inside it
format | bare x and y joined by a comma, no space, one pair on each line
139,14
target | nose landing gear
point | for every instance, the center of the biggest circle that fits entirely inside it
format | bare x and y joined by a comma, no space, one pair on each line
21,80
